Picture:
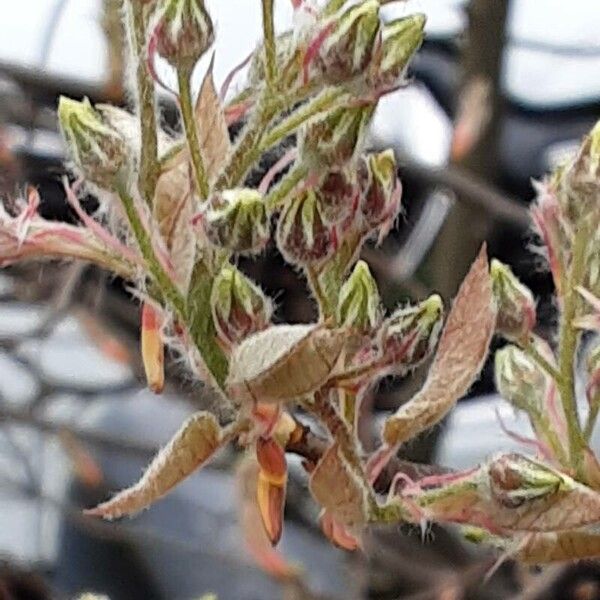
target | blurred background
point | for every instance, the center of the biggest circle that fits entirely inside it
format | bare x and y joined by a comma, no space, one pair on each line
500,93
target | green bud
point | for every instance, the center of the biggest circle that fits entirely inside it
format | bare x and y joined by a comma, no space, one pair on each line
183,32
359,304
516,306
515,480
236,220
96,148
401,39
519,380
303,236
410,334
378,180
238,305
348,47
335,139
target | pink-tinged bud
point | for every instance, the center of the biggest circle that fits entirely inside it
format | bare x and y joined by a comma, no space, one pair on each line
339,195
410,334
303,236
347,42
520,381
516,315
578,181
380,201
335,139
183,32
239,307
97,148
152,348
359,305
401,39
236,220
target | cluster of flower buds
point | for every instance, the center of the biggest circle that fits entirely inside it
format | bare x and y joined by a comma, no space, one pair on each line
345,45
381,191
182,32
336,139
401,39
97,149
359,305
516,314
410,334
236,220
239,307
271,486
303,234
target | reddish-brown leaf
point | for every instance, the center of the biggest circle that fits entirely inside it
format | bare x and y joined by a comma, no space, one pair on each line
196,441
540,548
339,490
460,355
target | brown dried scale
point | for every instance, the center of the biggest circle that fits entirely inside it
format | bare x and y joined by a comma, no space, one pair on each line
284,362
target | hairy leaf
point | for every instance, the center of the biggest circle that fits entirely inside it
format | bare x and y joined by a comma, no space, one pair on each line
542,548
190,447
461,352
338,489
212,126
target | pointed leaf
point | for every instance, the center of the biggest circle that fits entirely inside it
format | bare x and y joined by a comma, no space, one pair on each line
461,352
189,448
212,126
339,490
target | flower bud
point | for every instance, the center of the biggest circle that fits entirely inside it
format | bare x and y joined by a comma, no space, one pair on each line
519,380
239,307
97,149
380,200
578,182
236,220
401,39
409,335
348,43
335,139
359,305
516,307
183,32
338,195
302,234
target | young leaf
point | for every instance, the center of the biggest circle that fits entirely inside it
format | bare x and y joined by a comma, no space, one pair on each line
212,126
461,352
338,490
542,548
197,440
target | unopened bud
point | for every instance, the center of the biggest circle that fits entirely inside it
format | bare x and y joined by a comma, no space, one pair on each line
516,306
335,139
183,32
152,348
236,220
271,486
378,180
349,42
97,148
410,334
303,236
359,303
401,39
239,307
519,380
339,195
515,480
578,182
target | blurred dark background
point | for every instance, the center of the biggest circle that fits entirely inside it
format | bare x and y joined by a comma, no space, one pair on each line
500,93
